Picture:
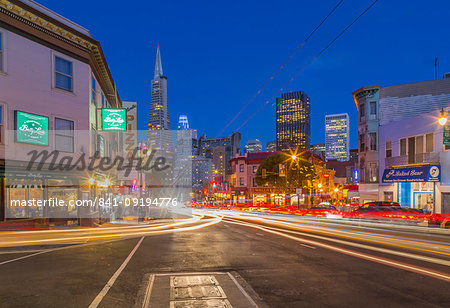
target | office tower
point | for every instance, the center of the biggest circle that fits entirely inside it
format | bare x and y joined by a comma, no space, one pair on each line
293,121
337,141
271,146
253,146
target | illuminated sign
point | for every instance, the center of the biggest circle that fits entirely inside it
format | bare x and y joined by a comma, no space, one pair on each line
114,119
325,175
31,128
412,174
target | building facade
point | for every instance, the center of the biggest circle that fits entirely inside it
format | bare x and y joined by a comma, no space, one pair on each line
412,161
367,100
293,121
318,149
253,146
337,137
69,85
271,146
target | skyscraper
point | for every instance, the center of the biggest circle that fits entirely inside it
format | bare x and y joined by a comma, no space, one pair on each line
183,123
293,121
337,141
159,113
253,146
159,136
271,146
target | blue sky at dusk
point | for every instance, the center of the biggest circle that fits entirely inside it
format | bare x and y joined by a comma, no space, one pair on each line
217,55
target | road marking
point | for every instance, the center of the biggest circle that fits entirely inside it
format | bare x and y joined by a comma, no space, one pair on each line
148,292
308,246
27,256
114,277
407,267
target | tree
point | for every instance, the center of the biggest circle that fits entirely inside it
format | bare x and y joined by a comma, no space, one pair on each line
298,171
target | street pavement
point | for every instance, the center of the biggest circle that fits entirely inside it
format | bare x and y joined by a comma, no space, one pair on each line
265,262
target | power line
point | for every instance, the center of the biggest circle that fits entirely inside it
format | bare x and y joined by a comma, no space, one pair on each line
309,63
281,67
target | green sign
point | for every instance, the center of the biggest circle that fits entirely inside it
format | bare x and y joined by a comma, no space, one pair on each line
447,134
31,128
114,119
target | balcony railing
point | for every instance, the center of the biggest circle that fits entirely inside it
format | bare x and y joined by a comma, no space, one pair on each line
431,158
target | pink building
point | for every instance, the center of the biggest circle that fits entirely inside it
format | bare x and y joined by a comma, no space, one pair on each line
52,71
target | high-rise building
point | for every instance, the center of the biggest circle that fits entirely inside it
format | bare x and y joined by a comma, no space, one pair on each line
159,135
318,149
231,143
293,121
159,113
253,146
183,123
354,155
271,146
337,139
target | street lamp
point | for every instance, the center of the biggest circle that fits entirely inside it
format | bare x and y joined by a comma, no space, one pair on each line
319,185
294,157
443,119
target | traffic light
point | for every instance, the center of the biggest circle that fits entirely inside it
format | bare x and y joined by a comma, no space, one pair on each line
214,185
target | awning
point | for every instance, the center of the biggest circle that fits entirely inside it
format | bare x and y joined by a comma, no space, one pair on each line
430,173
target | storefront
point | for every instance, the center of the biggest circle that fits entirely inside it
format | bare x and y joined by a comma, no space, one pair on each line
412,186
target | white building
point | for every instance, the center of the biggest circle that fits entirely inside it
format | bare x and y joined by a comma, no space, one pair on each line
337,133
402,157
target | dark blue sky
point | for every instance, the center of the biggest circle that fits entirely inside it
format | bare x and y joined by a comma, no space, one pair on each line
216,55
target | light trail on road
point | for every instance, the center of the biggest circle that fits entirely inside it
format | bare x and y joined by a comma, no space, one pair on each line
46,238
372,258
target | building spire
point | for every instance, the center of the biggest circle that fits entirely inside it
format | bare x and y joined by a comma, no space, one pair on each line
158,65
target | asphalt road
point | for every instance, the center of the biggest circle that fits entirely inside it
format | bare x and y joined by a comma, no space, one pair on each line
284,265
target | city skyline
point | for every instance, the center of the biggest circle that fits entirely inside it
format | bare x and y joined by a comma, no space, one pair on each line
271,45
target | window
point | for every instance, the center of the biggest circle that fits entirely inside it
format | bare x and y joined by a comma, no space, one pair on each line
373,141
93,91
255,169
388,148
254,182
362,112
362,143
373,110
403,147
64,135
63,74
241,168
103,100
1,52
429,143
373,172
241,181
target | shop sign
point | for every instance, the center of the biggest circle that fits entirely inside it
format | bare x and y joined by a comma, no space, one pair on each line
31,128
447,134
412,174
114,119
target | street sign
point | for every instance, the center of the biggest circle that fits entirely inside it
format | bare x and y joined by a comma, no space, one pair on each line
31,128
447,134
114,119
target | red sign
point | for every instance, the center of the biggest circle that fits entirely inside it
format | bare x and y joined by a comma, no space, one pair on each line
325,175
